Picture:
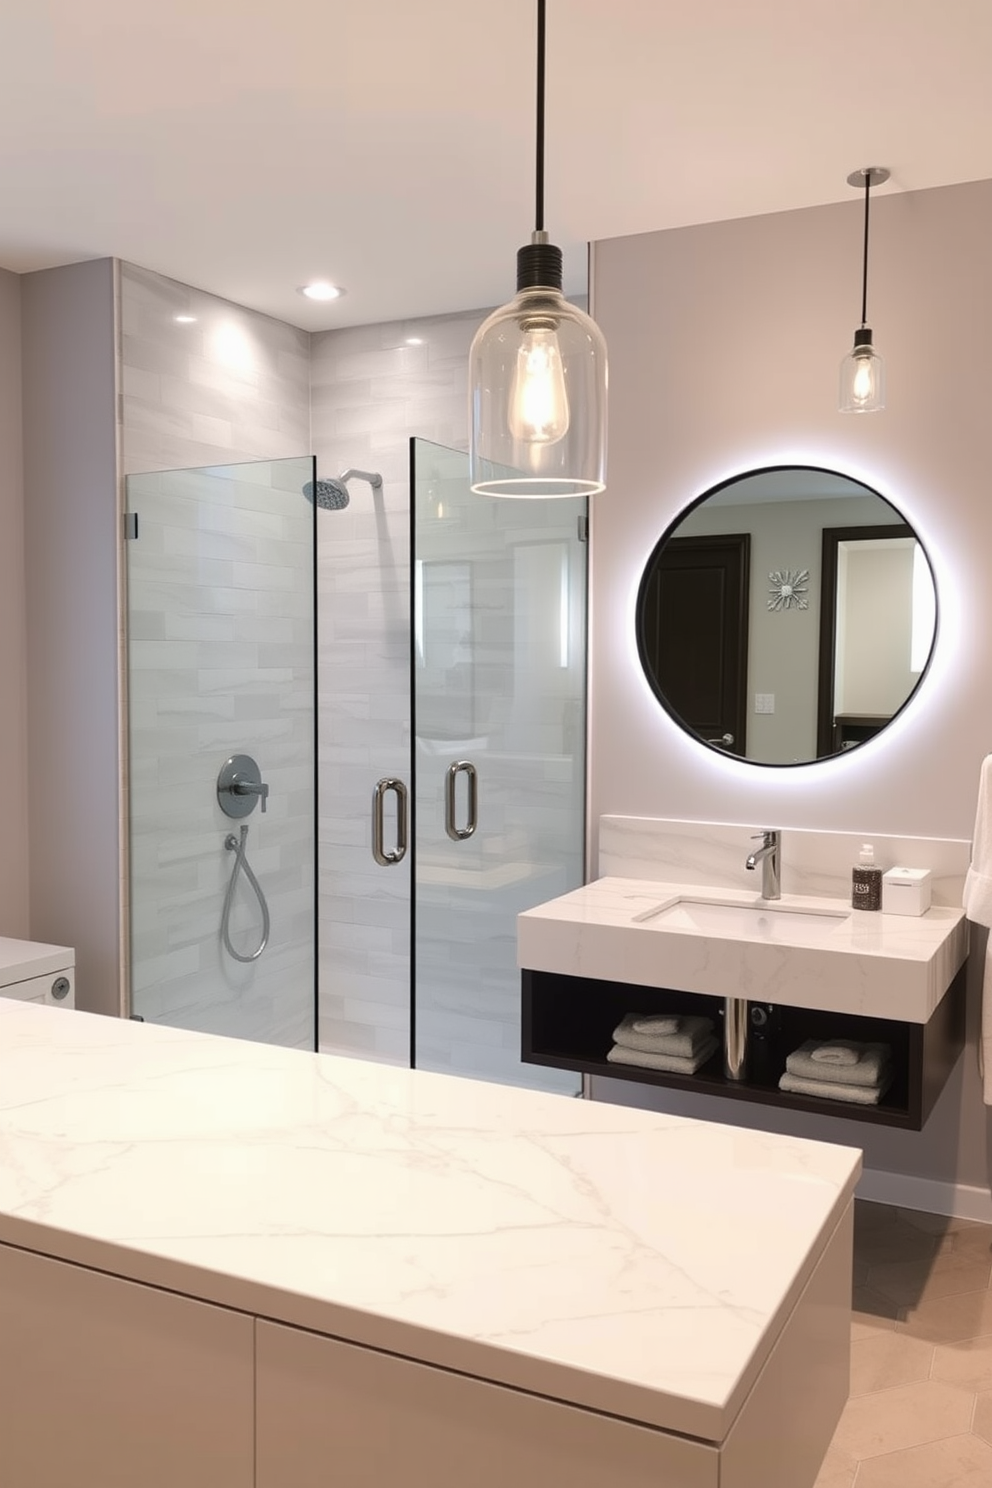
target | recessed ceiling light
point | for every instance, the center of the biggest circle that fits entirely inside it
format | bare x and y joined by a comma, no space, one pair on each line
184,319
414,340
321,290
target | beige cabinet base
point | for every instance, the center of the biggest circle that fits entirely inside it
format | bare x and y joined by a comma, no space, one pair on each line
107,1384
380,1419
329,1412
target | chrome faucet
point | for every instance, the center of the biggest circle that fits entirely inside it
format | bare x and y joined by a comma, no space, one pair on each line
767,855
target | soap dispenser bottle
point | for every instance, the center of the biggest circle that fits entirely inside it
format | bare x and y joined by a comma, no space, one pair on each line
866,880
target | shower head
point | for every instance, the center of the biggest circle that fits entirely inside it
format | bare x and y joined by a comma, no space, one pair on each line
332,495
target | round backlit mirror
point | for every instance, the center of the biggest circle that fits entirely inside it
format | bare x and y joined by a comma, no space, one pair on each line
787,615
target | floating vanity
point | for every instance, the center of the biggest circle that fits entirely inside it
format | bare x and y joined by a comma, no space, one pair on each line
813,966
225,1265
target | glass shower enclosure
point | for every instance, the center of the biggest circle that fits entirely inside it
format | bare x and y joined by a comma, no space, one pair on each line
221,669
446,649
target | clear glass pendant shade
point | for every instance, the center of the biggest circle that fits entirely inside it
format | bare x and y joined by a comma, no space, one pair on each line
862,377
537,374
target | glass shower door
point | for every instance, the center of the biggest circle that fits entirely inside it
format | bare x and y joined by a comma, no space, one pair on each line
499,611
221,673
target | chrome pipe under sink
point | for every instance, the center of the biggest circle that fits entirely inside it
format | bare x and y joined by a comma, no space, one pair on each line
735,1037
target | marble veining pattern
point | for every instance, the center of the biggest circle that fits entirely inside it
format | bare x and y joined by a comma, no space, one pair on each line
579,1241
886,966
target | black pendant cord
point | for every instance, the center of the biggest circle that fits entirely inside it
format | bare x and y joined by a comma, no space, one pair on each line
539,173
539,263
864,272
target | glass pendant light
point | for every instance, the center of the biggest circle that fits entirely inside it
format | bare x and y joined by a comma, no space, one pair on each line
862,372
537,373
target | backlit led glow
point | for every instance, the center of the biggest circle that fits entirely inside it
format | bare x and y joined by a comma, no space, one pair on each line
816,781
184,319
321,289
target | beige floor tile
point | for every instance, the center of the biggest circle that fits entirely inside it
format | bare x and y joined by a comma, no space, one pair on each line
950,1319
910,1283
865,1326
982,1424
838,1467
888,1359
905,1416
840,1477
934,1224
896,1242
974,1241
869,1216
956,1462
871,1307
968,1364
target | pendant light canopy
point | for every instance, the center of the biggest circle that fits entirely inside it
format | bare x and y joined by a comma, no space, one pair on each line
537,373
862,372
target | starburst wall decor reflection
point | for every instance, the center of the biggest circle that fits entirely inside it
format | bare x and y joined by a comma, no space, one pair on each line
788,591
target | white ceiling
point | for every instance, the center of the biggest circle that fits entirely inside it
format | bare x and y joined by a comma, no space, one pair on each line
247,146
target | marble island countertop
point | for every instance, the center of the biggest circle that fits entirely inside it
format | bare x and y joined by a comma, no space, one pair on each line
821,953
627,1261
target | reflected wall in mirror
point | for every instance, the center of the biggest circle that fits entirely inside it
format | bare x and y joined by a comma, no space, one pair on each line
786,683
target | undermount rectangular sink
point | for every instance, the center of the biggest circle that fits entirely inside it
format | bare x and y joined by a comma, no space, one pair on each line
770,921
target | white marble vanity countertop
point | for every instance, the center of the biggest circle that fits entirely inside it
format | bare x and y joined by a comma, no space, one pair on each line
22,959
626,1261
870,964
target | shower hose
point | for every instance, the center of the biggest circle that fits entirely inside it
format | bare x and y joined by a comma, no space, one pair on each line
241,864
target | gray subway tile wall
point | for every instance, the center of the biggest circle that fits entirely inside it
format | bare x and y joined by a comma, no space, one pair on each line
189,661
370,390
220,656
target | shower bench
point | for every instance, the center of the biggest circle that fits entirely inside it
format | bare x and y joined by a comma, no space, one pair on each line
225,1265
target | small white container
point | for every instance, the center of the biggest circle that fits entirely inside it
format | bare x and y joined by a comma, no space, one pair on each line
906,891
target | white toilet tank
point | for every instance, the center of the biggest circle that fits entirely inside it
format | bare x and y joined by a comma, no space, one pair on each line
33,972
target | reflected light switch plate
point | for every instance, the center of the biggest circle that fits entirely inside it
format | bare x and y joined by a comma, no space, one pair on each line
764,702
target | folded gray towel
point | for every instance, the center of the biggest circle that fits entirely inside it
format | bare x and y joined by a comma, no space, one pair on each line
872,1061
840,1051
692,1033
655,1023
622,1054
859,1095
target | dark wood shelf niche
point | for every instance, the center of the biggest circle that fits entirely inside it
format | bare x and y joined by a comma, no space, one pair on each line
568,1023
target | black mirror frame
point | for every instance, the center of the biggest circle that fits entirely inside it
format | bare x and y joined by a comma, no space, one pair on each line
822,648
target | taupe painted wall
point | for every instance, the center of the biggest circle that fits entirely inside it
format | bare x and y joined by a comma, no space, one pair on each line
72,542
13,700
699,322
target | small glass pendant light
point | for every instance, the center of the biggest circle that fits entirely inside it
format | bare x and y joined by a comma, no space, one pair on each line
862,372
537,373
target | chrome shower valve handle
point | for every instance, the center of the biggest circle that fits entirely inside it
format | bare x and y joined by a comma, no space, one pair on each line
240,786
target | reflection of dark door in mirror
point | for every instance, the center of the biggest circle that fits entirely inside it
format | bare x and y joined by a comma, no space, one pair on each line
837,730
692,631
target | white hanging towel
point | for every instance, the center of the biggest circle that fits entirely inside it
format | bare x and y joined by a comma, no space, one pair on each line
978,907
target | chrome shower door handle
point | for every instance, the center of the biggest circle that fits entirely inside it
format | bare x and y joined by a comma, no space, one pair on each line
388,857
459,834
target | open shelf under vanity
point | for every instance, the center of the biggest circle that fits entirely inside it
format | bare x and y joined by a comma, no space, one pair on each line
568,1023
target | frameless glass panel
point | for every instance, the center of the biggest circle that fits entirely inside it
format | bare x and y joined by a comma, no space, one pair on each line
499,594
363,643
221,667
